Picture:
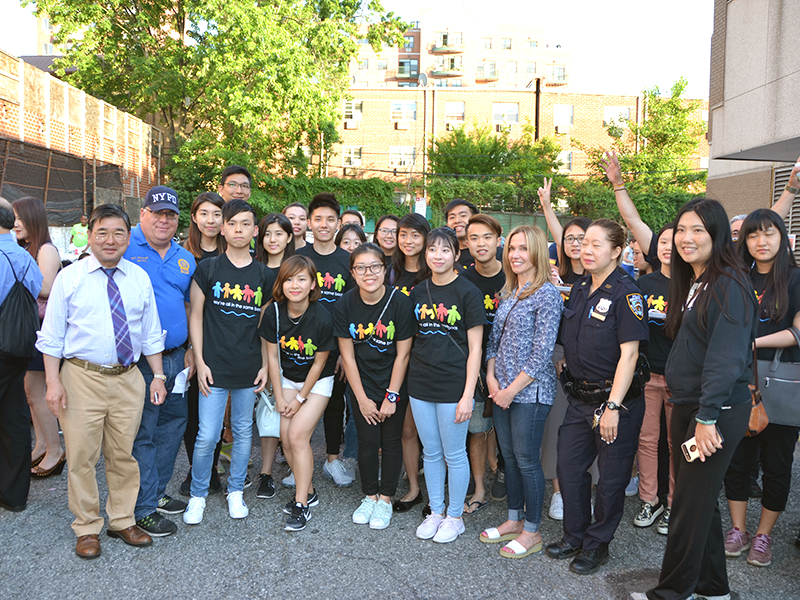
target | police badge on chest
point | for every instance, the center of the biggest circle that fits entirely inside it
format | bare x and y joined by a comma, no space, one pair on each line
601,310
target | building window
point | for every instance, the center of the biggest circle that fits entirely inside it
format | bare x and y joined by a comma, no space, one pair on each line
408,67
354,109
402,156
363,64
505,43
403,110
449,63
48,49
565,158
406,84
505,112
616,116
530,68
408,43
556,73
446,38
351,156
455,83
511,67
440,82
487,43
563,114
383,64
486,68
454,111
530,44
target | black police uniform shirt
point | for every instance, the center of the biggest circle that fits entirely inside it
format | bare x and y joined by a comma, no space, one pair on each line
466,259
765,326
593,326
406,281
490,291
437,369
333,273
374,336
298,343
233,300
655,287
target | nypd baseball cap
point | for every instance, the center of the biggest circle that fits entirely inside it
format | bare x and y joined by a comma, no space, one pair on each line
161,197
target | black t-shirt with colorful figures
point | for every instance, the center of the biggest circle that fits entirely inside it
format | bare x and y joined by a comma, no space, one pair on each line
490,292
766,327
298,342
437,369
374,336
234,297
655,287
406,281
333,273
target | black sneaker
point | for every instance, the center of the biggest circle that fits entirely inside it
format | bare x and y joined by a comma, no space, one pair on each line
214,484
313,500
298,519
186,486
156,525
499,486
170,506
266,487
247,483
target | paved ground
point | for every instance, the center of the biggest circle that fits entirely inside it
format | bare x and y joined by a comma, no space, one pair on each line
332,558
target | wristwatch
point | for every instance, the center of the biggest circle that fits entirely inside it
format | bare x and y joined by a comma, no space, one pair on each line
392,396
160,376
299,398
612,406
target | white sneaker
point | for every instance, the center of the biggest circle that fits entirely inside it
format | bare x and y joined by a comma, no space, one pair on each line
363,513
237,509
449,530
638,596
429,526
350,467
193,515
381,515
288,481
335,471
633,487
556,511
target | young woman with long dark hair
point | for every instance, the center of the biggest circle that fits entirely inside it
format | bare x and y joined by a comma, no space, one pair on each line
298,215
275,241
385,235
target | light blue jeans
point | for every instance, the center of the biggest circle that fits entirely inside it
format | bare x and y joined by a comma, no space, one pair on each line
211,411
444,448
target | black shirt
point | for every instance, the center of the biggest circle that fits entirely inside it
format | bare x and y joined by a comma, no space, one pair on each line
766,327
437,369
490,292
594,326
298,343
466,259
655,287
374,336
333,273
652,253
234,297
405,281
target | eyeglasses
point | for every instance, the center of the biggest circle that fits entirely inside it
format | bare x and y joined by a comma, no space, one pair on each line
387,232
169,215
232,185
102,235
374,268
571,239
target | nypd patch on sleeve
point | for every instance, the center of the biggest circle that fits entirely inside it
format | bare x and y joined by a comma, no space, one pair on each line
636,304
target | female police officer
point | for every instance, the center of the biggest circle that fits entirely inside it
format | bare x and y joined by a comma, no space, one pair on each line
602,326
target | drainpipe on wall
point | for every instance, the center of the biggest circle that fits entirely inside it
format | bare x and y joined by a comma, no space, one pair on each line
538,104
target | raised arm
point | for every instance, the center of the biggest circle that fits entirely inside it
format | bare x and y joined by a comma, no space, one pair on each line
553,224
784,203
641,232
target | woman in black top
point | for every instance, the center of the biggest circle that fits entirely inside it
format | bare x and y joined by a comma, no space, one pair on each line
764,244
385,235
712,320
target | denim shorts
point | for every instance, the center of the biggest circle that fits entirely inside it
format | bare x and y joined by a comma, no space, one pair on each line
477,422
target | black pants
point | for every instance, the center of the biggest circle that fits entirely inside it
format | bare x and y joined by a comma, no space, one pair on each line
386,437
776,444
193,422
578,446
694,560
333,417
15,433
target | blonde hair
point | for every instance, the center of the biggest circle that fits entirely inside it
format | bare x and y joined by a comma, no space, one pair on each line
536,241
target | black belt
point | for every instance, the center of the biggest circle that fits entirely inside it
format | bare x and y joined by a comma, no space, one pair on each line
598,392
171,350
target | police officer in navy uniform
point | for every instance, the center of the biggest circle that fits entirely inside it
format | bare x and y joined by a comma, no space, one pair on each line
602,326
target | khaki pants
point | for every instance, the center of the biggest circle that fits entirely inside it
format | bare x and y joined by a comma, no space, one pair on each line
102,411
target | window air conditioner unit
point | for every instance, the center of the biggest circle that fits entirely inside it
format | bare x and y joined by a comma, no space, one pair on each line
562,129
501,127
350,171
351,124
402,125
453,125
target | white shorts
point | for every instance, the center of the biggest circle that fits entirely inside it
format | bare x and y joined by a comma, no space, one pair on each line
323,387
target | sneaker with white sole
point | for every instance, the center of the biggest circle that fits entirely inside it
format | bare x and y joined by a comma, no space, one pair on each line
288,481
633,487
663,523
313,500
298,518
760,551
193,515
701,597
381,515
363,513
449,530
736,542
648,514
237,509
556,511
429,526
336,472
350,467
168,505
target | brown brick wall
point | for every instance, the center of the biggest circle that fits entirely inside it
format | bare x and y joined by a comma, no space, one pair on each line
741,194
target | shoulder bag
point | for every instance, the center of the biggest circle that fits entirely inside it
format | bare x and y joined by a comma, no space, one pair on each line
758,416
268,419
780,387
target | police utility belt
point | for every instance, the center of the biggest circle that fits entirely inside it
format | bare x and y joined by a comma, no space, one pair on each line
592,392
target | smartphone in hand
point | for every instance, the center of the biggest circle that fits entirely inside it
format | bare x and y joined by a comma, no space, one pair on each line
690,450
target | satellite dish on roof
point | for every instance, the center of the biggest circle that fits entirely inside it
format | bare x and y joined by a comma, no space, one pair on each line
423,80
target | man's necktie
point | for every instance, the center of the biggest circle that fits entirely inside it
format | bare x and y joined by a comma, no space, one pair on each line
122,337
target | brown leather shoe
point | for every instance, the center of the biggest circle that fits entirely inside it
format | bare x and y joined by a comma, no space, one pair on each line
88,546
133,536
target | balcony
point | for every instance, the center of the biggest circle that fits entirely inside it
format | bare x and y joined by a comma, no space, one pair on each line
487,76
557,80
447,71
406,73
447,49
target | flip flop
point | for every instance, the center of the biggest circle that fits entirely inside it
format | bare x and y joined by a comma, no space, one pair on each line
493,536
472,511
514,549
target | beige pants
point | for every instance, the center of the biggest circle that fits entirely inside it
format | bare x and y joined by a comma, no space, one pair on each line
102,411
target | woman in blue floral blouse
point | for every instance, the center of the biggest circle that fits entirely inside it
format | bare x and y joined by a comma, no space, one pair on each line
522,383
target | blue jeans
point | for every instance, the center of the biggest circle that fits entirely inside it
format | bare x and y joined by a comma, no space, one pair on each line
211,411
159,438
443,441
519,432
350,434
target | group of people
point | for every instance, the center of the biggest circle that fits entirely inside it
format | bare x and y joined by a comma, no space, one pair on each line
469,346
